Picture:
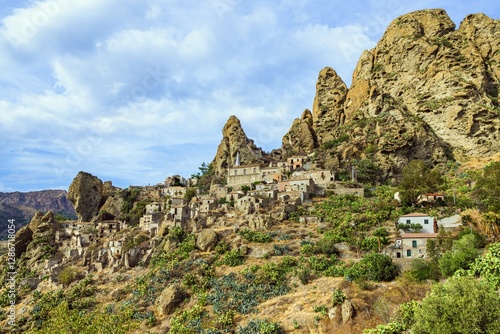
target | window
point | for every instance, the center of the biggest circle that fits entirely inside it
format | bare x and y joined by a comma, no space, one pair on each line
255,170
414,243
426,221
408,252
244,172
236,172
408,221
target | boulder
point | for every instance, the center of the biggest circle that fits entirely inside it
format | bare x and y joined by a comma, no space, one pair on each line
347,311
88,194
207,240
170,299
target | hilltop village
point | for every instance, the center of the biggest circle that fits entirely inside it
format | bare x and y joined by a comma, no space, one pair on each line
251,193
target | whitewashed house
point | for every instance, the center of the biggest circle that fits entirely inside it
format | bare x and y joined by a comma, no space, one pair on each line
423,219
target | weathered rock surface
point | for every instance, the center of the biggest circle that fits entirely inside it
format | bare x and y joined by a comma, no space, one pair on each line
301,137
347,311
44,228
426,91
235,140
207,240
22,239
88,194
170,299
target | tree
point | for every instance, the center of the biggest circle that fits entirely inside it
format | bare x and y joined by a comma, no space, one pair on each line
418,179
381,234
487,190
460,305
190,193
488,266
460,256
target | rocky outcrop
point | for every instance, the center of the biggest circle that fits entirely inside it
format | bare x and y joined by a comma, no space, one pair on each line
235,140
44,228
207,240
22,239
170,299
88,194
426,91
328,103
301,137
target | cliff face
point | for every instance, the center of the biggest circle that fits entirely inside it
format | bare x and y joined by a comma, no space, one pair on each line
235,140
425,91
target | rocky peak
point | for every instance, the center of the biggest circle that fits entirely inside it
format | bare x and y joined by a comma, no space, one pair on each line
425,91
88,194
235,140
328,103
301,137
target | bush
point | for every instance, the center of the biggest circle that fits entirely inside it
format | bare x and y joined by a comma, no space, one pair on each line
461,256
232,258
326,246
460,305
254,236
422,270
68,275
338,297
488,266
260,327
375,267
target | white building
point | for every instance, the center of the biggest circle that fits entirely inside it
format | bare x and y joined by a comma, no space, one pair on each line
423,219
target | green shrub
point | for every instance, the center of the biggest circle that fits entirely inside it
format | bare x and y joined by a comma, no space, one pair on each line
338,297
460,305
232,258
68,275
422,270
326,246
373,266
260,327
254,236
461,256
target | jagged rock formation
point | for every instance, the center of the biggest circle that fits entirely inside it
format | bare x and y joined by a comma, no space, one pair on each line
235,140
301,137
88,194
425,91
37,238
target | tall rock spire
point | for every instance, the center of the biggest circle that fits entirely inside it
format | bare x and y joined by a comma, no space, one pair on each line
235,146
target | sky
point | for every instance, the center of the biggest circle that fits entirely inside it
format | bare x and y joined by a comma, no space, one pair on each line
134,91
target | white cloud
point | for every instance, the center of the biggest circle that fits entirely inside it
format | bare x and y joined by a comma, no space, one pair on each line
129,90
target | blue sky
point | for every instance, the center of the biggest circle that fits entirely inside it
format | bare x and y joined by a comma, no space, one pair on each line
134,91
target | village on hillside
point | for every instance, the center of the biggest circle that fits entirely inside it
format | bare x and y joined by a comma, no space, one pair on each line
278,189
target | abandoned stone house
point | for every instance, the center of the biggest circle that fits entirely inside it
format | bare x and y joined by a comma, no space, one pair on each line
296,162
250,204
239,176
174,191
150,221
305,185
180,213
108,227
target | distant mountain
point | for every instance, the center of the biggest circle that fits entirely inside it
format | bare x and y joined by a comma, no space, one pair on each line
22,206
